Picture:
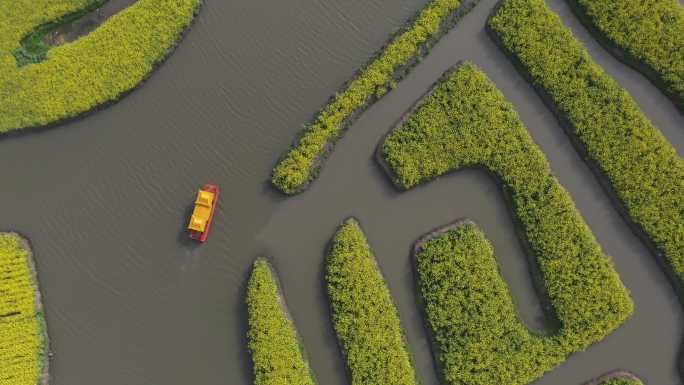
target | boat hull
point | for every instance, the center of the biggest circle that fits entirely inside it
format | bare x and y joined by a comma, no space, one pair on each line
202,236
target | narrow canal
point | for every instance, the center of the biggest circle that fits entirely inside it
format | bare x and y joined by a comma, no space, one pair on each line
104,200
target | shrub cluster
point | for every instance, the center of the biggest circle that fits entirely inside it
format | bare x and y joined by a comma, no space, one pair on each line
300,165
23,351
95,69
643,168
648,32
466,122
622,380
479,336
364,316
276,352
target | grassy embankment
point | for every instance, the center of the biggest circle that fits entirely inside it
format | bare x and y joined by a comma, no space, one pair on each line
301,164
645,173
96,69
364,316
645,34
618,378
277,355
23,336
466,122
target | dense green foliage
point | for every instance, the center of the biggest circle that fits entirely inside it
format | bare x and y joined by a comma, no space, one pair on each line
23,340
300,165
34,48
479,336
650,32
465,122
363,313
273,342
95,69
644,170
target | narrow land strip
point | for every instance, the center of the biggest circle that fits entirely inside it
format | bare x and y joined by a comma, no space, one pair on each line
277,354
646,35
302,163
364,315
24,347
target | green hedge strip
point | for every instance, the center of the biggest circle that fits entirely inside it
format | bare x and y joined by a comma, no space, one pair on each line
95,69
649,35
23,332
617,377
300,165
469,310
364,316
622,381
643,168
276,352
466,122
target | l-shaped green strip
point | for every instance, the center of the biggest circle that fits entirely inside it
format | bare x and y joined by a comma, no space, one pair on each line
466,122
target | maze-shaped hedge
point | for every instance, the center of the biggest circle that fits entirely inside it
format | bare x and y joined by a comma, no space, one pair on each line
647,35
466,122
277,355
95,69
23,351
364,316
644,170
301,164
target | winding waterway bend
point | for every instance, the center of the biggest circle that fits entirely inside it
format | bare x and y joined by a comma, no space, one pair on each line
104,200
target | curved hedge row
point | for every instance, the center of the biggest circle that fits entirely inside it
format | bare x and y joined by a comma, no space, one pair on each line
622,381
364,316
95,69
473,319
301,163
648,35
644,170
276,352
23,336
619,378
466,122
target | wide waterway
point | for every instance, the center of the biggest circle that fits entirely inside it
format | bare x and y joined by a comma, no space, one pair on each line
104,201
